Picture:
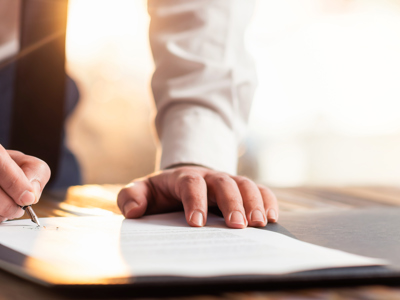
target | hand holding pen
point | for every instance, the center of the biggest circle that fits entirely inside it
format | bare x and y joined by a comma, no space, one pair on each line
22,179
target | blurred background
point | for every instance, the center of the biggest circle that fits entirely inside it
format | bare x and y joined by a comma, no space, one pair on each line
326,111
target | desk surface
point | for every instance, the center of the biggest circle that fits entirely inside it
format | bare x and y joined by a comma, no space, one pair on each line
293,200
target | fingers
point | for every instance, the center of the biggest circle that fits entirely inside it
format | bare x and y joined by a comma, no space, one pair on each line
36,171
191,188
270,204
166,192
252,201
14,182
195,188
22,179
241,195
228,197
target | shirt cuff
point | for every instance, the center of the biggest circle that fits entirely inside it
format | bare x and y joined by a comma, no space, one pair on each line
197,135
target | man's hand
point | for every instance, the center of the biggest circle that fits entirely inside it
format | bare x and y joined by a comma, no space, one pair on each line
22,179
241,201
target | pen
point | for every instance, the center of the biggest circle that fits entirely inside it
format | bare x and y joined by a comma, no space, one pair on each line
32,214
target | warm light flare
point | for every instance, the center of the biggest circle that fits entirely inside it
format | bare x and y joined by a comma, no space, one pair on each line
93,24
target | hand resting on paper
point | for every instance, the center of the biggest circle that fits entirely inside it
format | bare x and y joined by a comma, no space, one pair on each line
241,201
22,179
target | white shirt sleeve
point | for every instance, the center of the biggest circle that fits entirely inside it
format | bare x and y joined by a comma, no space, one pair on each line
204,80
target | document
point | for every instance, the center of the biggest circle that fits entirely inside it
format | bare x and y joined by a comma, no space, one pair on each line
89,248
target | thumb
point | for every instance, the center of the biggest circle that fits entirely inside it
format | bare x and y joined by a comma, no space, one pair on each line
133,199
36,171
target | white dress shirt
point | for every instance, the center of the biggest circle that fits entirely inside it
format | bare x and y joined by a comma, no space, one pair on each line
9,28
204,80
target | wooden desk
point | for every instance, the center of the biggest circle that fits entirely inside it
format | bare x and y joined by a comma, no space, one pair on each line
78,199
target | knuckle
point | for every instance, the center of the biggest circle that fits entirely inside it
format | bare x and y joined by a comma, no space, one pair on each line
221,179
190,179
39,167
43,169
177,173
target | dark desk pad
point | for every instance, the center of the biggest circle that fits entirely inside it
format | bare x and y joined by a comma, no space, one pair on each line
369,232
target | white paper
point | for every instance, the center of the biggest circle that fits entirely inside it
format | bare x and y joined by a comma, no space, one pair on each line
111,246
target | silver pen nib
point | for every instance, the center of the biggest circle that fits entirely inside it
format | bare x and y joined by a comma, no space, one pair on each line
33,216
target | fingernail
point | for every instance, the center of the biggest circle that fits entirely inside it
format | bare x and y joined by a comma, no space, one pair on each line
129,206
27,198
236,218
272,215
197,218
256,216
37,189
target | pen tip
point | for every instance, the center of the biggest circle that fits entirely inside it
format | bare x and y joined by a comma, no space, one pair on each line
33,216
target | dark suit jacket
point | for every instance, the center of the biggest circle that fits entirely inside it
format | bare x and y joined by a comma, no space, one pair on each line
68,172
